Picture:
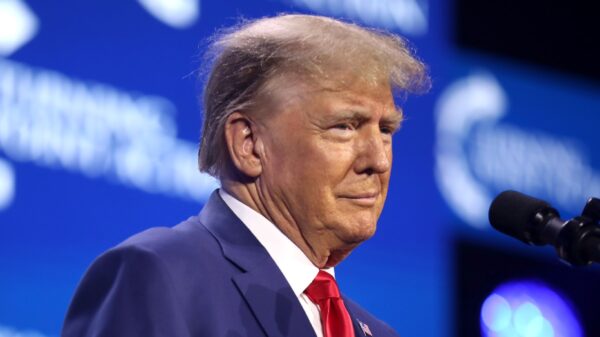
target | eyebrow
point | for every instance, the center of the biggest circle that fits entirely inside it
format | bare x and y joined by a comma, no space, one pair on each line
395,118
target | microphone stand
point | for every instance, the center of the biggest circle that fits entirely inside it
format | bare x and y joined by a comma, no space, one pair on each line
577,241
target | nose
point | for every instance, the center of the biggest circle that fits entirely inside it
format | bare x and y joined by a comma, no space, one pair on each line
374,153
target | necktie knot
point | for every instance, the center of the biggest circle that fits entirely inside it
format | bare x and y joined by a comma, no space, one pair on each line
322,287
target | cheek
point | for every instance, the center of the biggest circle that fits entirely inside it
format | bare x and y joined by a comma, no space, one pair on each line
298,174
333,160
321,162
309,167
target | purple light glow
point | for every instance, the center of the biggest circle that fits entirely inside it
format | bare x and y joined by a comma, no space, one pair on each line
528,309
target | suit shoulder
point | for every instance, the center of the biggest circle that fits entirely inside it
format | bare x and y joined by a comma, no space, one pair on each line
187,237
153,250
115,286
169,251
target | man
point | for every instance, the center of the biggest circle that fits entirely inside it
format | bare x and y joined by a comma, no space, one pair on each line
299,117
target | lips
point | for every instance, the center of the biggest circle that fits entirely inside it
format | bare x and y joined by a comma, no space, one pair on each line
366,199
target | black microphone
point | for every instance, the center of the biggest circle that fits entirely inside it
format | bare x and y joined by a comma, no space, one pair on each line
535,222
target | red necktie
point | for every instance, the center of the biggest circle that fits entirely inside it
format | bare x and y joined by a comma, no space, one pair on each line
324,292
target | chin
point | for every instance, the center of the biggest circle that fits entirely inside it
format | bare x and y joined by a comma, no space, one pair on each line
349,238
358,232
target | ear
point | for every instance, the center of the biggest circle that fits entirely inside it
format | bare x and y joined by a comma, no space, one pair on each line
241,143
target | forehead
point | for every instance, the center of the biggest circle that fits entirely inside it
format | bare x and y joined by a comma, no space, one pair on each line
328,96
360,96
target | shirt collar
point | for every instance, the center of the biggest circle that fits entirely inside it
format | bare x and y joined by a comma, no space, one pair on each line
297,269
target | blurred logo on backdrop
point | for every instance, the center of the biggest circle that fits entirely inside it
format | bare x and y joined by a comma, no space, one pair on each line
54,121
18,25
408,16
7,184
478,155
178,14
10,332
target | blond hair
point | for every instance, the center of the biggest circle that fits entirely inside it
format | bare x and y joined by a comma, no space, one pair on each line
311,48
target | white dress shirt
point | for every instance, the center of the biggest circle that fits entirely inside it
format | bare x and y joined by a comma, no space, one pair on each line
294,265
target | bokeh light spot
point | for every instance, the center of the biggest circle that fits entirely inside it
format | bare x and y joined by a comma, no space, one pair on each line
528,309
496,313
528,320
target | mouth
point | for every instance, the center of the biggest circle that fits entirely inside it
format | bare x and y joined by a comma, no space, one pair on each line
364,199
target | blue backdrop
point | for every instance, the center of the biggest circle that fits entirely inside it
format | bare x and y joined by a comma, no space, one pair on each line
99,123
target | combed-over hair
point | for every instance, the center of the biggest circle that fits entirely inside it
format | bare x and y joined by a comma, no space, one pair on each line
306,47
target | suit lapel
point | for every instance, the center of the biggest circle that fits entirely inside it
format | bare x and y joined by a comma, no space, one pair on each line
273,302
357,329
260,282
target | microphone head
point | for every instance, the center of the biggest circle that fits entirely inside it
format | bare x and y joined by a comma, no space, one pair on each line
518,215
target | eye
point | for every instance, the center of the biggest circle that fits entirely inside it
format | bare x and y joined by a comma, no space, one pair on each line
344,127
387,130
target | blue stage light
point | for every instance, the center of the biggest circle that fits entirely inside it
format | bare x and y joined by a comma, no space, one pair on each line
528,309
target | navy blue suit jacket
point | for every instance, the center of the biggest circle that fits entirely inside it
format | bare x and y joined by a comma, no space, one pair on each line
207,276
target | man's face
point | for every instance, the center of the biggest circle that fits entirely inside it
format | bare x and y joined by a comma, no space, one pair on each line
326,168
